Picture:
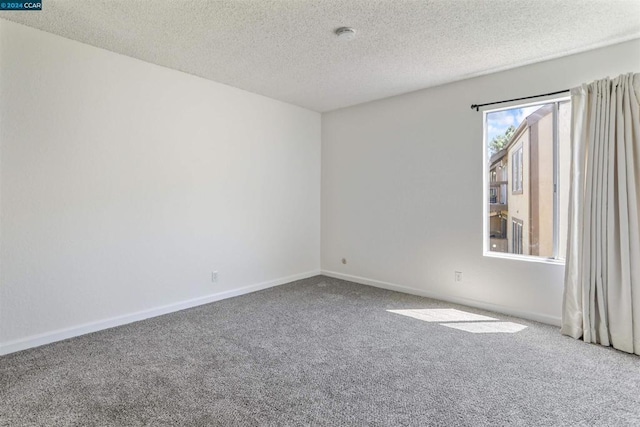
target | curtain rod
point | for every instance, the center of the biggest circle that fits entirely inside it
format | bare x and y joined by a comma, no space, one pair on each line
477,106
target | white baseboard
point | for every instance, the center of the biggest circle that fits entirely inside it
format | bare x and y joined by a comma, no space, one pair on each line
538,317
74,331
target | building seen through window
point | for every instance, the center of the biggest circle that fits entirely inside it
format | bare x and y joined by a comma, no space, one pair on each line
526,179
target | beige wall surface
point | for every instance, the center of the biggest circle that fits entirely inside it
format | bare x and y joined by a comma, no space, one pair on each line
545,186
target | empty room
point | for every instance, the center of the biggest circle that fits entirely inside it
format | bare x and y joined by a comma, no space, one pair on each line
320,212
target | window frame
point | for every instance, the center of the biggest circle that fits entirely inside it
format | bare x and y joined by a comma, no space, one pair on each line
485,185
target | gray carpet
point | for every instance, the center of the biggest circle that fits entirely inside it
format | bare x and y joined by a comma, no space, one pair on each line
318,352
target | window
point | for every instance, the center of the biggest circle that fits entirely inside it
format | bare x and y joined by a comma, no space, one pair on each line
516,161
516,232
526,201
493,195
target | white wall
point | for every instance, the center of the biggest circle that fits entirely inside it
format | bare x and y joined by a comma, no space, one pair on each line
124,184
402,188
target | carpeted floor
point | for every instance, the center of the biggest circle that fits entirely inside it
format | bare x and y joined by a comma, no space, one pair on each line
319,352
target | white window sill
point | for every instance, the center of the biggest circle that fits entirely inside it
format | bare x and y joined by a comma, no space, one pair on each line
527,258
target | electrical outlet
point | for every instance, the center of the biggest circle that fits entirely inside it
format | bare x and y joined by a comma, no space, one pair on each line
457,277
214,277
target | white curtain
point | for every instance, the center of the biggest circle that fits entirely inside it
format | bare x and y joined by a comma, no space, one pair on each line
602,278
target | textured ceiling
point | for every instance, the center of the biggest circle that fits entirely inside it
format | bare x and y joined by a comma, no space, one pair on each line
286,49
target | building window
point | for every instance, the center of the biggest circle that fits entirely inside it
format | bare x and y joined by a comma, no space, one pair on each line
493,195
516,162
516,232
526,201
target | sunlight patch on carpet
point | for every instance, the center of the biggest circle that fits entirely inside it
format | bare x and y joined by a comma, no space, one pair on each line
487,327
442,315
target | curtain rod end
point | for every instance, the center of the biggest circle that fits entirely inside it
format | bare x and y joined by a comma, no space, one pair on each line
475,106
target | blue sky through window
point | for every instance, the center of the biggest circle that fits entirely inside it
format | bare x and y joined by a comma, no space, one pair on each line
498,122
